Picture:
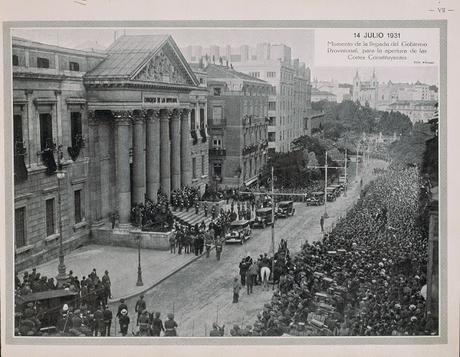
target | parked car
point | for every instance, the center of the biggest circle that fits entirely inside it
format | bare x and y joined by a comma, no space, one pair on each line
285,209
263,217
238,232
315,199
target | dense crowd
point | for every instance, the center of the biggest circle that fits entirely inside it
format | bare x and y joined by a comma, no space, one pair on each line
90,296
366,276
153,216
185,197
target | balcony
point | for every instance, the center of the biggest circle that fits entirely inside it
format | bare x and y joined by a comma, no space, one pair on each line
249,149
217,151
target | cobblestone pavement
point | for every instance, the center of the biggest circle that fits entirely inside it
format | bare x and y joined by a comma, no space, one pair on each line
202,293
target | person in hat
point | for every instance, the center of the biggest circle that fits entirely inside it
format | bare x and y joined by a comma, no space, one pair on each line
139,308
107,284
170,326
121,307
124,322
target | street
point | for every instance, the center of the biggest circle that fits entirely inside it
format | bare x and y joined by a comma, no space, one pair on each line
202,293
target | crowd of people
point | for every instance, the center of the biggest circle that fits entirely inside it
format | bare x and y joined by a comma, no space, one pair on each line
184,197
87,297
366,276
153,216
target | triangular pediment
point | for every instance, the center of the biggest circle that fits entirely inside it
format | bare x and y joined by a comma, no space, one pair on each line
166,65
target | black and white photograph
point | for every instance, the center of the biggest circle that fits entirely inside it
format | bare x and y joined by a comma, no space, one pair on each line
222,183
229,178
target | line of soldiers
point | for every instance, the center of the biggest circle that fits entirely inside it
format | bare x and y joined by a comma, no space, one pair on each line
186,197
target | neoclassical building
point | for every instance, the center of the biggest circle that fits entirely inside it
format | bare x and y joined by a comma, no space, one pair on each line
122,124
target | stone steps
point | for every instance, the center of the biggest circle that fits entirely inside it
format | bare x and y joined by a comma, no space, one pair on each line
191,218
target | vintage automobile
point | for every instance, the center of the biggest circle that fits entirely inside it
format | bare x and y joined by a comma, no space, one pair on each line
263,217
315,199
331,194
285,209
238,232
50,301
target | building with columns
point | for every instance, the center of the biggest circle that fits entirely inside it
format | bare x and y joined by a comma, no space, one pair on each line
122,124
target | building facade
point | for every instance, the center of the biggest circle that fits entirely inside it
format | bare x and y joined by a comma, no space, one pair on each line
290,98
237,119
117,124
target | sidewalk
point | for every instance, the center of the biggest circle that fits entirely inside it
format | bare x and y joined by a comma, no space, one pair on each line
122,265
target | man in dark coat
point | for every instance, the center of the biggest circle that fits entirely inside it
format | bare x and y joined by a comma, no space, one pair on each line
121,307
140,307
107,316
170,326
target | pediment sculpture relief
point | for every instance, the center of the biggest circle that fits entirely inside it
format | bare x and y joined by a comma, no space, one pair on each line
161,69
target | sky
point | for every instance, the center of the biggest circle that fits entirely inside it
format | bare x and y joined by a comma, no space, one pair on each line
301,42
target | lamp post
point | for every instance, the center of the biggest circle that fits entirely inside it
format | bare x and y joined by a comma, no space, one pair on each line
139,269
62,276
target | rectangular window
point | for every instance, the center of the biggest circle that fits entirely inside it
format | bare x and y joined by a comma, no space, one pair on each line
217,92
194,167
192,120
271,105
46,131
20,227
74,66
15,60
17,132
50,228
77,206
75,127
202,165
43,62
201,118
217,115
254,74
217,143
217,169
271,74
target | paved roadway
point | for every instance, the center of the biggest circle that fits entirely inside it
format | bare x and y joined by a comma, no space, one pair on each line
202,293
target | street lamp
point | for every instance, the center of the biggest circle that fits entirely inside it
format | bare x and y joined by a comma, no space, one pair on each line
62,276
139,269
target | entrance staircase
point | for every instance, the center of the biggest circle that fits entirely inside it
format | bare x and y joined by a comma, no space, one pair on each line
190,217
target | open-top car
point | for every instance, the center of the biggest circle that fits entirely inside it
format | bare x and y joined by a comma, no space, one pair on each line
315,199
238,232
285,209
263,217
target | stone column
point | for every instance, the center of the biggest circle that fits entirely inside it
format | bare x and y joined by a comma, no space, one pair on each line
153,154
138,159
165,153
123,122
185,152
95,170
175,150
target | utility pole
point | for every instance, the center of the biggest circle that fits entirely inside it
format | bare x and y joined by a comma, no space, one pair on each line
273,232
325,167
346,177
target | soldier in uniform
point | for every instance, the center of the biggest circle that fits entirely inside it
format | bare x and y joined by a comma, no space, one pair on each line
197,207
140,307
144,327
170,326
213,212
107,284
98,322
172,242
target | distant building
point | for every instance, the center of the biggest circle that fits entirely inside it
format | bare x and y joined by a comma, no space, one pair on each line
341,91
237,112
319,95
416,100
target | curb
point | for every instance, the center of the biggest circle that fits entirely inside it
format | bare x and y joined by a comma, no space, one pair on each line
158,282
